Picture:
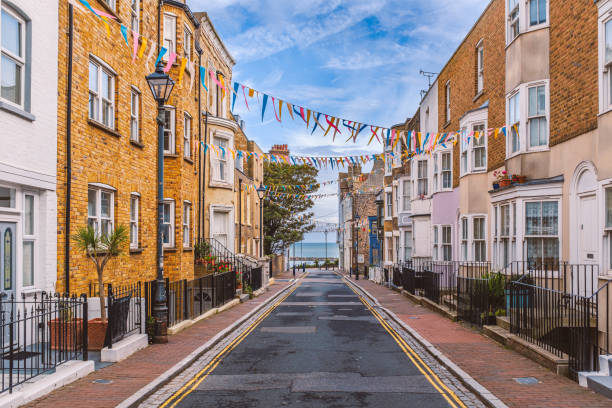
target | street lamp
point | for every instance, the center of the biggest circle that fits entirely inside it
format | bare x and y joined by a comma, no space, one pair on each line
261,191
161,86
357,248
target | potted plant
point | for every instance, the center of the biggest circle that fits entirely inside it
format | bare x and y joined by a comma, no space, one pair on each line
503,178
521,179
499,175
515,178
66,331
100,248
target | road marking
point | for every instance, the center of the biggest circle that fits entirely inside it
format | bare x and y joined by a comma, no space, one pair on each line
433,379
289,329
182,392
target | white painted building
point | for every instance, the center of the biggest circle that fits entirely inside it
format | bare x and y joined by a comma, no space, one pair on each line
28,145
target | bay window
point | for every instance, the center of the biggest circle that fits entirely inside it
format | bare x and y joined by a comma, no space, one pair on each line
100,209
513,19
479,149
536,120
514,118
542,232
537,12
12,57
101,94
168,223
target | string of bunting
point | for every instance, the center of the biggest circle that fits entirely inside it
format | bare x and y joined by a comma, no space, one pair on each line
415,142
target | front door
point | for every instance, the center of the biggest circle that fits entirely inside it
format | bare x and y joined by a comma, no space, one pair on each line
7,258
588,253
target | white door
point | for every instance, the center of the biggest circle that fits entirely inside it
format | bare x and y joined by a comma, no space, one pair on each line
585,276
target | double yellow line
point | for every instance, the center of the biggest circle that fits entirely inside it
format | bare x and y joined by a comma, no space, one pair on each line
192,384
427,372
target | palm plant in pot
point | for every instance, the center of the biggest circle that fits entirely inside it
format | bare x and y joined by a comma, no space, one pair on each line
100,248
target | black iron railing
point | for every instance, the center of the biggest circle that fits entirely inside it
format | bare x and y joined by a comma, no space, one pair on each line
396,274
412,274
440,283
40,333
253,278
124,312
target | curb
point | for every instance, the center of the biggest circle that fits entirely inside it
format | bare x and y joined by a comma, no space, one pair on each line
165,377
485,395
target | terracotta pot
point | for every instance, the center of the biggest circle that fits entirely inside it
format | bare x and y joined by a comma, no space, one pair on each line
504,182
522,179
66,334
96,333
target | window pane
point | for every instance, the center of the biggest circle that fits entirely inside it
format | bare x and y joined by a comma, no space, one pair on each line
105,204
166,215
11,80
550,222
533,103
533,12
92,207
608,41
7,197
541,100
542,10
11,34
29,215
609,207
107,85
28,263
532,218
93,77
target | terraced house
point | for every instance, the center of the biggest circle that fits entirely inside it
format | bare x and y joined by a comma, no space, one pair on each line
535,203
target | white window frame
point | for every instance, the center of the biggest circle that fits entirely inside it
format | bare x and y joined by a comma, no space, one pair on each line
542,236
187,42
135,114
395,200
134,220
605,65
521,93
479,67
170,131
435,243
514,21
169,34
215,160
96,219
389,205
111,3
186,224
477,144
528,13
607,223
522,18
436,170
422,180
448,170
446,243
19,60
99,99
187,135
135,15
538,116
468,148
30,237
169,204
480,240
406,196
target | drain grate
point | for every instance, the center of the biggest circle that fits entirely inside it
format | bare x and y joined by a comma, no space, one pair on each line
526,380
102,381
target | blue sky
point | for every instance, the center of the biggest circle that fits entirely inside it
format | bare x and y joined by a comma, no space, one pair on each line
357,59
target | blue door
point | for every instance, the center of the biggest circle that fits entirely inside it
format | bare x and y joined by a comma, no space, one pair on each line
374,247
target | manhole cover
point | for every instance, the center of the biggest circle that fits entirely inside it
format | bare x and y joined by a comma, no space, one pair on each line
102,381
526,380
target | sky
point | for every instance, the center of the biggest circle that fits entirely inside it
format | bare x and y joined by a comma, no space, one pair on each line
357,59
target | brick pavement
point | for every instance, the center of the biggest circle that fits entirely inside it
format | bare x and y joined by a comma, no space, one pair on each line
129,375
488,362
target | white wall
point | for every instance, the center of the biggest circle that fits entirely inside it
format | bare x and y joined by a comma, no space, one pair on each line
28,139
429,122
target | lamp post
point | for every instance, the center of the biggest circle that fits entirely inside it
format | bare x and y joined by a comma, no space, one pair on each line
357,247
161,86
261,191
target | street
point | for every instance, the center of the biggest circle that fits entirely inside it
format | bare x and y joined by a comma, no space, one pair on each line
319,346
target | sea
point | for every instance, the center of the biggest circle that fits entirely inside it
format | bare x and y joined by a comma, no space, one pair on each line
314,250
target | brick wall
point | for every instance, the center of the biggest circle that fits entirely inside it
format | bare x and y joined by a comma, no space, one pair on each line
573,69
107,156
460,70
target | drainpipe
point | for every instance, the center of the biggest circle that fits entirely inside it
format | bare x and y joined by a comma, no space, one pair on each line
68,149
199,161
159,6
204,168
239,215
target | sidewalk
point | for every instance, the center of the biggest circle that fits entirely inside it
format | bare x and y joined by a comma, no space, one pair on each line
129,375
486,361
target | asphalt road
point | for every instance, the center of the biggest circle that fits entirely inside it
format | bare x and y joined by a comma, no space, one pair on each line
321,347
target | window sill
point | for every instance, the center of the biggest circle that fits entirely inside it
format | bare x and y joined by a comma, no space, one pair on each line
137,144
135,251
169,249
187,249
171,155
188,160
478,95
100,126
17,111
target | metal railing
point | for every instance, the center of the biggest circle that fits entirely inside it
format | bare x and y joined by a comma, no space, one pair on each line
253,277
440,283
40,333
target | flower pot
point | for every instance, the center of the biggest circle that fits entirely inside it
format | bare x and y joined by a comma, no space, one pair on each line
495,186
522,179
96,333
66,334
504,183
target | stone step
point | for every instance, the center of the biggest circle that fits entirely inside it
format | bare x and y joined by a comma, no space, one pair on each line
601,384
605,364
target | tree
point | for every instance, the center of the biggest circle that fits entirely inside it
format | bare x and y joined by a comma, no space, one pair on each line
286,218
100,249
